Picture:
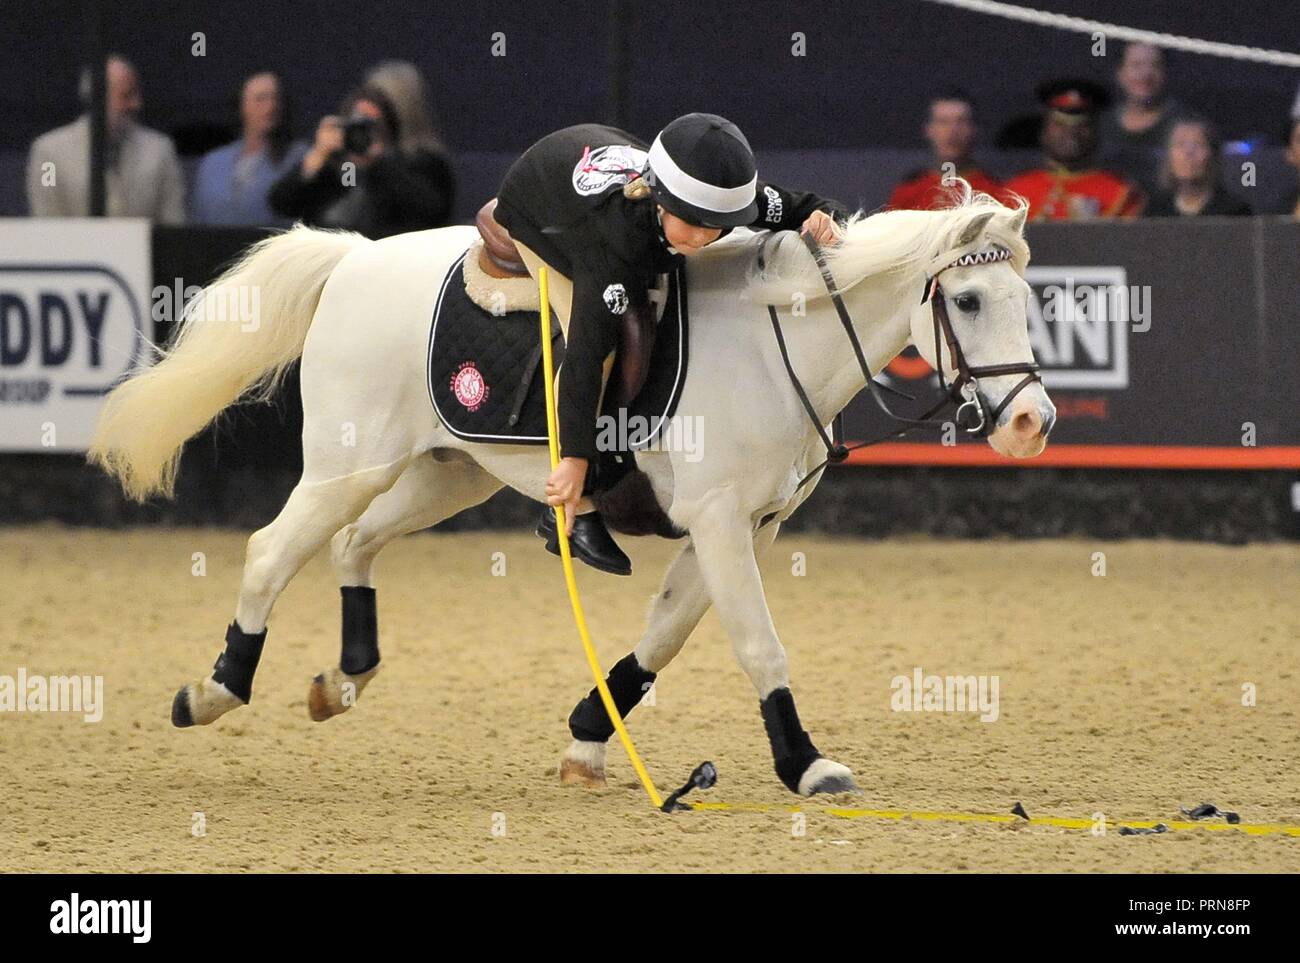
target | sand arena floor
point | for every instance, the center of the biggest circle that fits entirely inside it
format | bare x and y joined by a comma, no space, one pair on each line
1119,694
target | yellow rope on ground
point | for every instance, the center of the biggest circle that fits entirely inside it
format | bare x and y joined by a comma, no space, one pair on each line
896,815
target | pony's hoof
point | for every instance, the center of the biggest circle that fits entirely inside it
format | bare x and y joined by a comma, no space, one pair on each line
575,773
182,718
825,776
202,703
334,692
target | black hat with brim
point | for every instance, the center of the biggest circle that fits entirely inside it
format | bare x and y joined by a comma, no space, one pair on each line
700,166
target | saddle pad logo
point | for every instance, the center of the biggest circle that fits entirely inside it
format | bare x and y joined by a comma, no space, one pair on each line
607,166
468,386
616,298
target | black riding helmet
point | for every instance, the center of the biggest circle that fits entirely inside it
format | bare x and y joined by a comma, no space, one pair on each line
702,169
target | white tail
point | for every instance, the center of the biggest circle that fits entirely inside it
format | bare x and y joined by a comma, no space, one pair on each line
222,351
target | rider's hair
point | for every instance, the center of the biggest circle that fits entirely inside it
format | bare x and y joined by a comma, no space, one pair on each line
636,189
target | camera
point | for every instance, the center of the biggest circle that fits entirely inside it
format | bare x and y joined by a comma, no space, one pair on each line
358,134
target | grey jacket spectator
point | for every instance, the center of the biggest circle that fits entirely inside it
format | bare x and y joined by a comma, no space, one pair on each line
143,177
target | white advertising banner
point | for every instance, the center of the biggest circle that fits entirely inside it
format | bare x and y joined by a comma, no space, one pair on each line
74,316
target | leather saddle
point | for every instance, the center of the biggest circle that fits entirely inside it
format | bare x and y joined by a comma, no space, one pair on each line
499,258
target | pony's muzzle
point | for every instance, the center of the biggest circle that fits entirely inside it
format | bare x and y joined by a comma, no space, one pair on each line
1030,421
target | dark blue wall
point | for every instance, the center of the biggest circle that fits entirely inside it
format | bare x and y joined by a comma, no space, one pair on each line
869,67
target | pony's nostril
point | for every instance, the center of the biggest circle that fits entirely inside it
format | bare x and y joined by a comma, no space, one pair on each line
1025,423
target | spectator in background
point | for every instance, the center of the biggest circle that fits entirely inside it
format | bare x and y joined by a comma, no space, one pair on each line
358,176
402,83
1068,187
1291,206
143,177
951,130
1189,176
232,182
1137,129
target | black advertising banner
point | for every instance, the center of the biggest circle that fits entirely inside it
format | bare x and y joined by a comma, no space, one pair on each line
1163,343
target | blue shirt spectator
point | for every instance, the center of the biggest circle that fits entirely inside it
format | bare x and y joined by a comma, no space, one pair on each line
232,182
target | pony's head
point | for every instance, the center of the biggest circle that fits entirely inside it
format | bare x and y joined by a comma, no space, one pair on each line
976,251
978,263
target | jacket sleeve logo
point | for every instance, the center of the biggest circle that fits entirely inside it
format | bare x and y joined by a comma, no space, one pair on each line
775,209
606,167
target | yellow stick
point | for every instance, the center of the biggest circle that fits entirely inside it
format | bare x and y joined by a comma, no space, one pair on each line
553,436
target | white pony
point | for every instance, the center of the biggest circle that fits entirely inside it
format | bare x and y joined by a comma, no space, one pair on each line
377,463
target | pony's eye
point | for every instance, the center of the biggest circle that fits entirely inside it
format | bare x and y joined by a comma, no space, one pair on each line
968,303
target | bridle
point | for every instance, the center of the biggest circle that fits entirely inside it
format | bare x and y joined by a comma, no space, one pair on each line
975,414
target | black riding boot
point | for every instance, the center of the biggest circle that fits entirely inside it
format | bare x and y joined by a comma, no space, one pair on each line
590,542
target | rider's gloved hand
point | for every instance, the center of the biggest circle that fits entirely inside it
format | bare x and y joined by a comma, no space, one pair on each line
564,487
821,226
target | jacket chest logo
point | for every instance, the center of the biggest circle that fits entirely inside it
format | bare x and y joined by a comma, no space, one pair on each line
616,298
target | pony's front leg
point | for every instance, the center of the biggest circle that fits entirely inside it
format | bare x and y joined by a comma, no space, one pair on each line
721,531
674,613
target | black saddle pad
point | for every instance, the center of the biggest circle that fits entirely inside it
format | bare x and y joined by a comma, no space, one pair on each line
485,375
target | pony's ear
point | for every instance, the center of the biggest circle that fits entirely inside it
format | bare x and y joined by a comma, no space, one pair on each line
974,228
1017,222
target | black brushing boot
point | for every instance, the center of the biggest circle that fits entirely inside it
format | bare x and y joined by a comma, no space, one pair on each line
590,542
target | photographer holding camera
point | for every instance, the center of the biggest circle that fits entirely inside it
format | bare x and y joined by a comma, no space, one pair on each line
358,175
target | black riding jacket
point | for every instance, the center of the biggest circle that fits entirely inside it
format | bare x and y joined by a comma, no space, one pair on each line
564,199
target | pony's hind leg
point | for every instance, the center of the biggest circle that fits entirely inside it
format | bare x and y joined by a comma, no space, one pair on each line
429,491
315,511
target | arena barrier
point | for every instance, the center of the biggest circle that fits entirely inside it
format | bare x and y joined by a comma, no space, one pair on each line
1168,343
1136,397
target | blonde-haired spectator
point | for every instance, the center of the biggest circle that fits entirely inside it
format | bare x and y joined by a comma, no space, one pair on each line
403,84
143,177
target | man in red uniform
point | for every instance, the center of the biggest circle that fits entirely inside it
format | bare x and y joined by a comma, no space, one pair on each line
951,131
1068,187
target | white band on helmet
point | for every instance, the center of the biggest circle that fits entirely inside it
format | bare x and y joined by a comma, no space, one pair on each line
723,200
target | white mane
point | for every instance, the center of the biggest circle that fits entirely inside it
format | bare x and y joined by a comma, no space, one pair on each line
900,243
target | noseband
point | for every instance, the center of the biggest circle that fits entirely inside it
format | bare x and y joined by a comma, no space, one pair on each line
975,414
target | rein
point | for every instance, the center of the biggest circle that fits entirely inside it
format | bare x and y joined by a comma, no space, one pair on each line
974,413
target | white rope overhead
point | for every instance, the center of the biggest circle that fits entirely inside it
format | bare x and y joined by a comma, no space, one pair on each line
1060,21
